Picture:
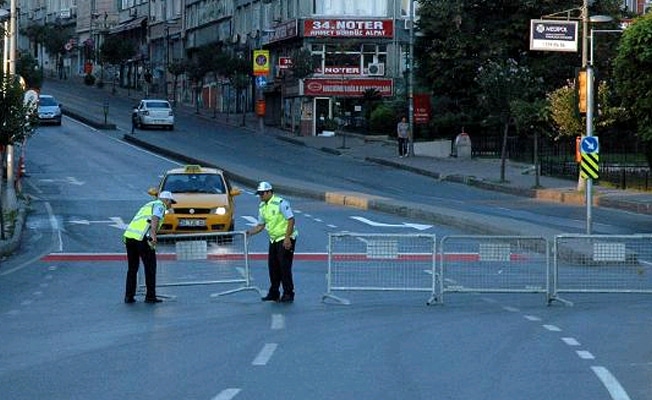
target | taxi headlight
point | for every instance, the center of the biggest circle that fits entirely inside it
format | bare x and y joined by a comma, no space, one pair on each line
220,210
169,211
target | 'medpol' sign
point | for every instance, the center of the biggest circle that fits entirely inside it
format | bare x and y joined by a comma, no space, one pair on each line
551,35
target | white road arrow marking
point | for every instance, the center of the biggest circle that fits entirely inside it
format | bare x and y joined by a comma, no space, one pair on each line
419,227
115,222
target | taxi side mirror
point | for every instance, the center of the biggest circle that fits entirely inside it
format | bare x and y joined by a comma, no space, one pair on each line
152,192
235,191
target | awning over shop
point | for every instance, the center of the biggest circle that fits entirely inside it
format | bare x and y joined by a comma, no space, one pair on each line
135,23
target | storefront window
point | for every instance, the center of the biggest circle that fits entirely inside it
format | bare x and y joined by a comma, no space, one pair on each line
347,58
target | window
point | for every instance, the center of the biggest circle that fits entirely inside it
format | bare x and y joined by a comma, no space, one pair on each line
350,7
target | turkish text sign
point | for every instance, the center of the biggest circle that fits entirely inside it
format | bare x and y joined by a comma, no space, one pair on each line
551,35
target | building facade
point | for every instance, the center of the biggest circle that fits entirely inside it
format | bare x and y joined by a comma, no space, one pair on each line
356,50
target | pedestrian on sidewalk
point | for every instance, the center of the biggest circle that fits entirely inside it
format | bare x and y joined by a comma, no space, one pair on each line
403,135
140,240
275,215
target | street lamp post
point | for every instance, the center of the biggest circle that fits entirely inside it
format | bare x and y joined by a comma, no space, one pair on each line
411,83
590,88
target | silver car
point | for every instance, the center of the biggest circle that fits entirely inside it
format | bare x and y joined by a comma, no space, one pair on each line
49,110
151,112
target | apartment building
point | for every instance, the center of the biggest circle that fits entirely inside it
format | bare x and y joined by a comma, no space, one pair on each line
355,46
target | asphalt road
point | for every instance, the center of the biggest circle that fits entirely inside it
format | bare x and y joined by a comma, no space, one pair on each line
305,171
67,335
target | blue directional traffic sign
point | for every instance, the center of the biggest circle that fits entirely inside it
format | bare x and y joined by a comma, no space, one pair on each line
261,81
590,144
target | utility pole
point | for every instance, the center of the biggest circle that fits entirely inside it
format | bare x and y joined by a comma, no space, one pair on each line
10,199
411,82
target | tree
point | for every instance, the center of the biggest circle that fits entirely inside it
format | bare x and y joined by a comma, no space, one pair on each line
196,71
457,37
632,78
17,118
240,73
116,51
501,83
177,68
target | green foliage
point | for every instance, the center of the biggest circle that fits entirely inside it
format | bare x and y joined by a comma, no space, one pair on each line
383,120
631,73
302,64
28,68
116,51
18,118
563,111
458,37
177,68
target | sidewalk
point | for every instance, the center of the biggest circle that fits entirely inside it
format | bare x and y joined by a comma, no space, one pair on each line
482,173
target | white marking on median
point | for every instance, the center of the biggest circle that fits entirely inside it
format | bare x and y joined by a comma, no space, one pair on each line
265,354
611,383
278,321
585,355
552,328
227,394
570,341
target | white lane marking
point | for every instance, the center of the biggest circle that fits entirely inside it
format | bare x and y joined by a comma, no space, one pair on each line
585,355
552,328
278,321
331,226
227,394
26,302
611,383
251,221
420,227
265,354
532,318
511,309
37,293
570,341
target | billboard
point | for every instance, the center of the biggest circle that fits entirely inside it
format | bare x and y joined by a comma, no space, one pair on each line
551,35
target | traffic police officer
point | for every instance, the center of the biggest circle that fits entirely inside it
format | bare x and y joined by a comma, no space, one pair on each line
275,215
140,241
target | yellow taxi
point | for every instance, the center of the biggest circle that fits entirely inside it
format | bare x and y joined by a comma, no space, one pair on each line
205,200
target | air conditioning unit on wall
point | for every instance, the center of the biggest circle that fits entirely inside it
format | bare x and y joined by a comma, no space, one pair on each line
376,69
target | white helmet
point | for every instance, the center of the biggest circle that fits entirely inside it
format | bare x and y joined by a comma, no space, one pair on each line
264,187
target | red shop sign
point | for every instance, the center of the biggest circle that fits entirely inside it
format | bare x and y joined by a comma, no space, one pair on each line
360,28
347,87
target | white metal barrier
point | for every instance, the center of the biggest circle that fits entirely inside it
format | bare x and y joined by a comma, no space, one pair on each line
381,262
503,264
203,259
602,264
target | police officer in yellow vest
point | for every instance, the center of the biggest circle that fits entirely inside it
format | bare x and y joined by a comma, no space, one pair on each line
140,240
275,215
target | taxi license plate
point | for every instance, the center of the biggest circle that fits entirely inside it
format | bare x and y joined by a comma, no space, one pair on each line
191,222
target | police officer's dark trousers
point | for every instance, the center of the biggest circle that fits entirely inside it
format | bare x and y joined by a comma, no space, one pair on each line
140,250
279,263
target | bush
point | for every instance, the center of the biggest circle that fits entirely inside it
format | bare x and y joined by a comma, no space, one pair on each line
89,79
383,120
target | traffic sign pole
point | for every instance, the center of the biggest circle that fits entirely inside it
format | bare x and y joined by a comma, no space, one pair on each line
589,133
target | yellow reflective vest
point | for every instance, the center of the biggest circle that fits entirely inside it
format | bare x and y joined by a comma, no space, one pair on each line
275,221
139,225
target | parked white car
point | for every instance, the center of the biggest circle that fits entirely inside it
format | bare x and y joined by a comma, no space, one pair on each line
152,112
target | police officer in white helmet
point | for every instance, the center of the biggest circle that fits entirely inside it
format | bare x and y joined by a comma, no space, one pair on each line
275,215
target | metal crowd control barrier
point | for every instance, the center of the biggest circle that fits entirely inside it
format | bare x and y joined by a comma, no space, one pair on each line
602,264
380,262
498,264
203,259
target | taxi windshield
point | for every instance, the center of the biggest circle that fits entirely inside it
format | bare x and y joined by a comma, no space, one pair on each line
194,183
